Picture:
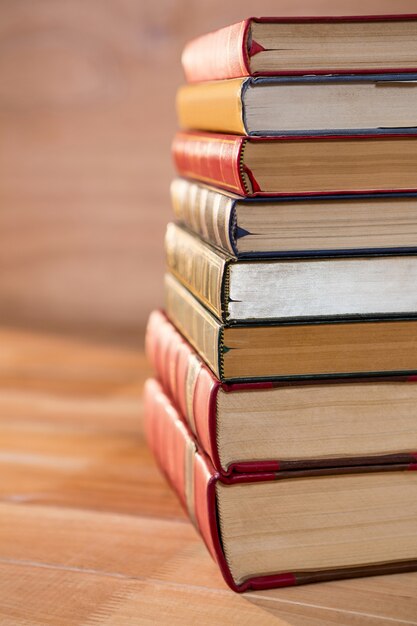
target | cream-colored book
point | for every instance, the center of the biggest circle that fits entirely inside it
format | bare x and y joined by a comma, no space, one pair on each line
298,226
288,349
243,291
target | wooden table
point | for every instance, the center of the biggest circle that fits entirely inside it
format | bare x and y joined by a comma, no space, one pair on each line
90,533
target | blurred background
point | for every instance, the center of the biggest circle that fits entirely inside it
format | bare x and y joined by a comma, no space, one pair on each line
87,115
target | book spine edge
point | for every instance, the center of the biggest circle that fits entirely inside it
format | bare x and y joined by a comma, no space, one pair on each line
219,55
186,379
211,158
215,106
191,476
192,320
200,268
206,212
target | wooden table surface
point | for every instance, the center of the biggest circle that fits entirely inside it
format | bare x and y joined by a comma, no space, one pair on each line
90,533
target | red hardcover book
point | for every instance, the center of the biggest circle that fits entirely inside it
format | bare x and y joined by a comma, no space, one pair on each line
284,413
300,165
207,496
304,45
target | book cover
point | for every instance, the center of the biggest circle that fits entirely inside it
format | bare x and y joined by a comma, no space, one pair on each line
292,105
287,350
268,290
297,226
310,164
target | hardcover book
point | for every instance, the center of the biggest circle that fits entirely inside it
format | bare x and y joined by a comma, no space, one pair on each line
304,45
274,529
299,164
297,226
290,349
271,426
276,106
266,289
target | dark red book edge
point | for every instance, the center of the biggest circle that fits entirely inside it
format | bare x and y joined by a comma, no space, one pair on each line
217,159
234,43
172,443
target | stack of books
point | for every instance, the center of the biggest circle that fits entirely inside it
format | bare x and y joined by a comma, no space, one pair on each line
284,406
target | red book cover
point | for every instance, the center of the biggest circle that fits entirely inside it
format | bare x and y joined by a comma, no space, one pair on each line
194,388
193,477
219,160
226,53
213,158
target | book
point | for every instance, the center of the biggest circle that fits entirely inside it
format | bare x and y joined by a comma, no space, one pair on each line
268,106
244,291
271,426
236,352
275,529
304,45
299,164
299,225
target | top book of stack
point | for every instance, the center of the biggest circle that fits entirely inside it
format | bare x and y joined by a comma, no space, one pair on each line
307,45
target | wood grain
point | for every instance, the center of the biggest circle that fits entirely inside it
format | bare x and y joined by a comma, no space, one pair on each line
86,120
89,531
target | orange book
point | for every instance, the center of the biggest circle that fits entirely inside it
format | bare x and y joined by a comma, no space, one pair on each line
291,105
